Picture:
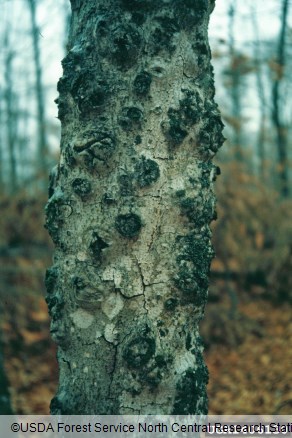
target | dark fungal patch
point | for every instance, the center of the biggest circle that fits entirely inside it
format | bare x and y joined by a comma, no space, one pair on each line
180,193
186,280
211,136
193,261
181,119
74,61
191,397
138,5
160,360
130,118
54,217
56,407
60,332
63,109
56,305
51,279
128,225
108,199
188,341
97,245
199,211
152,377
147,172
138,139
142,83
53,177
139,351
190,106
171,303
126,185
196,249
89,92
206,168
162,36
74,58
176,132
70,161
63,405
82,187
190,13
201,47
138,18
125,46
63,85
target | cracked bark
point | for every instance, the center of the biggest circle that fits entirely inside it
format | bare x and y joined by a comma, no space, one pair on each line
130,207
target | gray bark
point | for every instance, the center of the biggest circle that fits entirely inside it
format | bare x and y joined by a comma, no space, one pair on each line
130,207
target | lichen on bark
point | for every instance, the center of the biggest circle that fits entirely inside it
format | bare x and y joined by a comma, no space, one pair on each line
130,208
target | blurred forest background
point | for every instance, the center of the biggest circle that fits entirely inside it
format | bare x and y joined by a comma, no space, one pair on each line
247,330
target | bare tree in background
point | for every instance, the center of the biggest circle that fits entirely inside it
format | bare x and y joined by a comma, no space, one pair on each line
11,114
277,114
42,138
235,75
261,95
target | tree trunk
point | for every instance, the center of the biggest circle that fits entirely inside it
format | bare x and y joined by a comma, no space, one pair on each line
130,207
11,116
235,89
281,129
261,136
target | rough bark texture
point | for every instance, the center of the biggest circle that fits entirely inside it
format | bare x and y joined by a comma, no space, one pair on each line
130,206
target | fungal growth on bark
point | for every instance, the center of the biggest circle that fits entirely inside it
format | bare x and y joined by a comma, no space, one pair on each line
128,225
142,83
82,187
130,206
147,172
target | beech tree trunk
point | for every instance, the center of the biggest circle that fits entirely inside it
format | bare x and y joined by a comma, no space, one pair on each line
130,206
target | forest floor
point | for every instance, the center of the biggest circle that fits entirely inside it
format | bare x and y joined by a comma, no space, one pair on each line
248,351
